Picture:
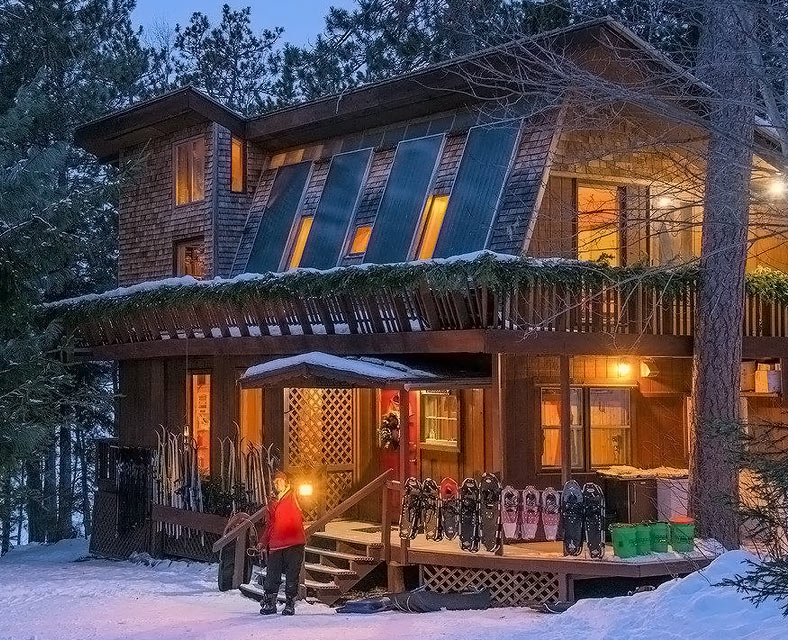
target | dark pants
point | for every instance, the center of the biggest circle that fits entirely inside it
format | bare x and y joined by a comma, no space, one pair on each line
288,561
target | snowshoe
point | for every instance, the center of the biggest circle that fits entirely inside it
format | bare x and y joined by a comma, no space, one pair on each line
490,511
572,517
530,512
450,508
550,515
594,519
469,515
409,515
510,513
430,509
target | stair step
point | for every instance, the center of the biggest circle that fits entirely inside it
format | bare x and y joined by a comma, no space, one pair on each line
338,555
320,586
332,571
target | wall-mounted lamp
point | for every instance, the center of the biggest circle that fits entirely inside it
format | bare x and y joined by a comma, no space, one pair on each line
623,369
648,369
305,489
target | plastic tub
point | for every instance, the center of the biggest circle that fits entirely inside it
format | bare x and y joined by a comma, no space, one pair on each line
624,540
642,538
682,534
659,532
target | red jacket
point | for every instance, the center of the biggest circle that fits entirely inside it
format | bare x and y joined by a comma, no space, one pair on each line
284,523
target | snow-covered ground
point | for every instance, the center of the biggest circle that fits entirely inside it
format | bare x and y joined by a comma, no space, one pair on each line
46,594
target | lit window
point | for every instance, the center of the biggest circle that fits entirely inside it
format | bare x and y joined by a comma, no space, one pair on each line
439,411
188,258
431,221
189,160
597,224
237,165
551,428
361,239
610,426
200,414
250,418
300,241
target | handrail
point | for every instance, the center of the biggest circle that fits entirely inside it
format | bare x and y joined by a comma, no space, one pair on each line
350,502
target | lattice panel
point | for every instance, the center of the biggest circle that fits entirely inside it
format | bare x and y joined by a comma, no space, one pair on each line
320,427
507,588
340,485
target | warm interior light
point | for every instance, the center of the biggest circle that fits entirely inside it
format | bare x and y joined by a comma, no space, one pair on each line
664,202
623,369
777,187
305,489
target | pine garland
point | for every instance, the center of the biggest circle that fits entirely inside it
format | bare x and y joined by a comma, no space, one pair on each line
495,271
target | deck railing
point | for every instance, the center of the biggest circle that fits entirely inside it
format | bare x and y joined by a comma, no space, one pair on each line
613,308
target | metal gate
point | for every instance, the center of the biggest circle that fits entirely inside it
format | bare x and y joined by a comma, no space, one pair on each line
320,434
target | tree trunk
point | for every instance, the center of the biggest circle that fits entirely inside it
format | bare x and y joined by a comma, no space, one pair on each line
49,500
84,485
6,511
35,527
720,312
65,490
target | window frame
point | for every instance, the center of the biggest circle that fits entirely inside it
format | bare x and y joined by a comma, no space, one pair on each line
183,242
175,146
421,228
190,373
439,444
244,161
352,238
585,422
295,234
620,230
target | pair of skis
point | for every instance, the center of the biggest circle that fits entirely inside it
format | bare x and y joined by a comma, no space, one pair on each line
471,510
522,511
583,516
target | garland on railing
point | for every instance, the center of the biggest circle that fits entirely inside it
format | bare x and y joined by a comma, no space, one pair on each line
498,272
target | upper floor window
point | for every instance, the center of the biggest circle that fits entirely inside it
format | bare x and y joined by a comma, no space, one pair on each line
598,233
674,228
237,166
302,233
188,258
430,227
360,239
189,171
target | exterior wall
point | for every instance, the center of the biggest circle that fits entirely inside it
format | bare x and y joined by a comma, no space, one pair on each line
149,221
658,412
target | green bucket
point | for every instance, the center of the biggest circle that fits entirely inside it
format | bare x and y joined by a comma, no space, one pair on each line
660,536
642,538
623,536
682,534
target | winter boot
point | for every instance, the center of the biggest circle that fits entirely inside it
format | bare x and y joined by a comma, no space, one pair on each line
268,604
289,609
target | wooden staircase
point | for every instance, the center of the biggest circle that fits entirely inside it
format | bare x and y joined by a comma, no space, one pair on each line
331,568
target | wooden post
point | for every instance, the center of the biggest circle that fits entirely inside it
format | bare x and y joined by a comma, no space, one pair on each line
385,525
404,455
499,421
566,421
784,381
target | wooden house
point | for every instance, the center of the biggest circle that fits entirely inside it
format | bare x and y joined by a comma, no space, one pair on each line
450,239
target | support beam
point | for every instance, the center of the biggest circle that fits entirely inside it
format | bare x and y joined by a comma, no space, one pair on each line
404,434
566,421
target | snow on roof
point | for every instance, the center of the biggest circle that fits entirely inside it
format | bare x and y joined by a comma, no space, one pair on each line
372,368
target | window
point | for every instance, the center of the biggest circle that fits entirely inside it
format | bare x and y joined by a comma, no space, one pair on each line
250,416
598,224
551,428
237,166
610,426
360,239
189,161
431,222
304,225
199,393
674,229
188,258
439,411
600,417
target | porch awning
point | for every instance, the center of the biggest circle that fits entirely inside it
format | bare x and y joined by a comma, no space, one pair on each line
317,369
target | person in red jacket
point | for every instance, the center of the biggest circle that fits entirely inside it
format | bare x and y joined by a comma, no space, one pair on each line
284,541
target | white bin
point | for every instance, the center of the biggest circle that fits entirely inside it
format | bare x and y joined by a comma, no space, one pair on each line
672,497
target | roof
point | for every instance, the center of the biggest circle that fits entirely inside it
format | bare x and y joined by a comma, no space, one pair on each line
323,369
432,89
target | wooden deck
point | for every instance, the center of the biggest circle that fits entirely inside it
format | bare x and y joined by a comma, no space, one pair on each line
524,556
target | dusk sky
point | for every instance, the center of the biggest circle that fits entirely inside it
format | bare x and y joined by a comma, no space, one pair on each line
301,19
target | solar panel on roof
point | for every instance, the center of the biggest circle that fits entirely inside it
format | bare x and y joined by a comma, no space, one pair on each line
477,188
335,209
400,208
277,219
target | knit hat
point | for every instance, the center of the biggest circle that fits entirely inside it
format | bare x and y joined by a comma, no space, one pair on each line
281,475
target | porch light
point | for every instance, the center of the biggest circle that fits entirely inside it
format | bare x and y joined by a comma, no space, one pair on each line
664,202
777,187
623,369
305,489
